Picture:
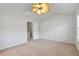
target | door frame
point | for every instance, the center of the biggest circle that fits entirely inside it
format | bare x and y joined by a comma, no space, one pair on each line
35,33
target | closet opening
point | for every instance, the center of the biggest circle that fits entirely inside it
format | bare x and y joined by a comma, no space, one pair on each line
29,31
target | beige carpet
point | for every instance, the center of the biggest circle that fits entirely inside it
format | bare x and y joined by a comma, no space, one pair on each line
41,48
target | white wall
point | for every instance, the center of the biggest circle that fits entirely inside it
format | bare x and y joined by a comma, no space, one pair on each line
12,30
35,30
58,28
77,27
13,25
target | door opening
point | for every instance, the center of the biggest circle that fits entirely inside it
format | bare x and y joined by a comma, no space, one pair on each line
29,31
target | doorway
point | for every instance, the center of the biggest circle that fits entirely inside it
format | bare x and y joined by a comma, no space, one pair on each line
29,31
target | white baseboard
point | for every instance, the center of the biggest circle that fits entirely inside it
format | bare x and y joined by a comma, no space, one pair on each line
77,45
59,40
12,45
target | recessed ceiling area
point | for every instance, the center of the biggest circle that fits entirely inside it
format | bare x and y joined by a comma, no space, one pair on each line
24,9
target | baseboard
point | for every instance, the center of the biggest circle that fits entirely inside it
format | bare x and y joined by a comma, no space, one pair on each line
60,41
13,45
77,45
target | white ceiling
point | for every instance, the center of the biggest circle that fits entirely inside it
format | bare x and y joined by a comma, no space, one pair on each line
59,8
54,8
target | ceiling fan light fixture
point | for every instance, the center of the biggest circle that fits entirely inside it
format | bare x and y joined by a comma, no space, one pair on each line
40,8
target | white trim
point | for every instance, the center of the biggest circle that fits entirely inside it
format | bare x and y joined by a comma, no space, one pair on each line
13,45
